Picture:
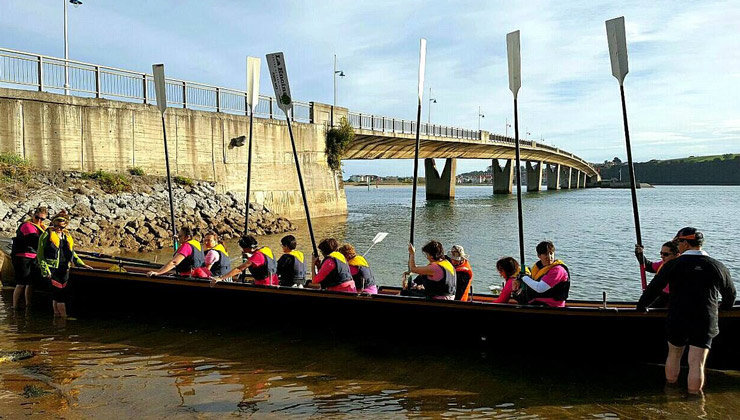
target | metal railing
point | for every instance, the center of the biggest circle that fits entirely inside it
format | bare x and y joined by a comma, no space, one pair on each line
46,74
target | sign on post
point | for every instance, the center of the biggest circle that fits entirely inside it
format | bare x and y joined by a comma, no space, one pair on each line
422,66
515,62
279,76
253,81
160,87
617,47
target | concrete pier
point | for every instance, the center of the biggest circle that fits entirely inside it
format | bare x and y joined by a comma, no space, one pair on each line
534,176
502,177
553,176
582,180
440,187
565,173
574,178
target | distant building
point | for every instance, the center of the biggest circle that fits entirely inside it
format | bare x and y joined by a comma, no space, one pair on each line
363,178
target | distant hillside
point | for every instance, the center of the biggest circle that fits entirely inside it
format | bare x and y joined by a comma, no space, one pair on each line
693,170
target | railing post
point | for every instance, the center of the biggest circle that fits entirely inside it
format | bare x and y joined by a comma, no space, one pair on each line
97,82
41,74
292,111
184,95
270,107
393,126
372,123
218,100
246,106
145,90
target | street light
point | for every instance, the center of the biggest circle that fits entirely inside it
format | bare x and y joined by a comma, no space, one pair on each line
479,117
339,73
429,110
75,3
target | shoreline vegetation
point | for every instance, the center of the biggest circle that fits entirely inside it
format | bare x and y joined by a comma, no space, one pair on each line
113,212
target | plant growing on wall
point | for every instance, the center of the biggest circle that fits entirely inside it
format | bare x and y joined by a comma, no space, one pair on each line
338,140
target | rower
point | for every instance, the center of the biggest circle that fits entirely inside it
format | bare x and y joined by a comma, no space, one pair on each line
360,270
668,252
216,258
334,273
438,278
463,272
55,256
188,261
550,280
291,267
508,269
23,253
260,263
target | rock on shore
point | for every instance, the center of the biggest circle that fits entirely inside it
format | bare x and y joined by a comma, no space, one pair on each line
138,220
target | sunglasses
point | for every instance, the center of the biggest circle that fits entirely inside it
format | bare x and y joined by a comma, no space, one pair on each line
666,254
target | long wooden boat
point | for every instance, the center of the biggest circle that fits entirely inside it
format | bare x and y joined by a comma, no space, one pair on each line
583,330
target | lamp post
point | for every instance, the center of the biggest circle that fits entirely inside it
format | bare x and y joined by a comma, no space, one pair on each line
75,3
339,73
480,115
429,110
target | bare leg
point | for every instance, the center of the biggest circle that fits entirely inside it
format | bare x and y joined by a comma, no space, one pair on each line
28,296
697,359
17,292
55,308
62,307
673,363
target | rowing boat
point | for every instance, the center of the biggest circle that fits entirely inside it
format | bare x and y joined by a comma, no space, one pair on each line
583,330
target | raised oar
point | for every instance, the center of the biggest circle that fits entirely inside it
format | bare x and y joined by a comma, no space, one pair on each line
117,258
422,64
279,76
160,87
618,55
253,97
376,240
515,82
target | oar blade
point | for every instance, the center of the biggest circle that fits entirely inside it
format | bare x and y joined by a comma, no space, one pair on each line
422,66
253,81
160,87
379,237
279,76
515,62
615,34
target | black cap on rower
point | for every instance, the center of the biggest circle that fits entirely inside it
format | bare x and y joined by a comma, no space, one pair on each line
248,242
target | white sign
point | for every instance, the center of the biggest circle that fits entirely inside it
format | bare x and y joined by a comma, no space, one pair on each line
279,76
160,87
617,47
515,62
422,65
253,81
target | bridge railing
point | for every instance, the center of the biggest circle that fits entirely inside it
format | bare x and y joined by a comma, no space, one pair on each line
43,73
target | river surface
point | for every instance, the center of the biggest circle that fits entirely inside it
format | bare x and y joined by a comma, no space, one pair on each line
169,367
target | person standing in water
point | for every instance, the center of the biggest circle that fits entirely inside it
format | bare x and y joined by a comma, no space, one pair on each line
23,253
697,280
55,256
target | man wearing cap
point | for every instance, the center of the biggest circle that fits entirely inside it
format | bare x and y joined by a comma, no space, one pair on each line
55,255
463,272
696,281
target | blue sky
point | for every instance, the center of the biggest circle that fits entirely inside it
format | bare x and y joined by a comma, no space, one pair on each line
683,89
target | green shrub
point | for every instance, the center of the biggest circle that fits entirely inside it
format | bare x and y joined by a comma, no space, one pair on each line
183,180
14,168
337,141
136,171
110,182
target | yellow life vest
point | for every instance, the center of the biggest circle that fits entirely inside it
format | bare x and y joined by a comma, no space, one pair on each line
538,272
447,266
359,261
220,248
297,254
338,256
54,238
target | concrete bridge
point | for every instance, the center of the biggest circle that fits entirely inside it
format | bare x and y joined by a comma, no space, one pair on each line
108,122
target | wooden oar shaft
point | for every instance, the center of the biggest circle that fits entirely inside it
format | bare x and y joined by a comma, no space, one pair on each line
633,183
416,174
303,189
169,185
519,185
249,171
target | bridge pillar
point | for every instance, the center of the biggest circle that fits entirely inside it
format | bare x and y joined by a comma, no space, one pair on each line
553,176
565,172
582,180
502,177
534,176
592,181
440,187
573,178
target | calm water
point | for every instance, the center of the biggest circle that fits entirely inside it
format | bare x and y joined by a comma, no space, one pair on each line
153,368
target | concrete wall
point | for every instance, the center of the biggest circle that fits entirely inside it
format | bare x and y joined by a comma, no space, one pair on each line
70,133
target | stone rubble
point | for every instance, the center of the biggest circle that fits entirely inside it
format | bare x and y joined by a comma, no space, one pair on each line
137,220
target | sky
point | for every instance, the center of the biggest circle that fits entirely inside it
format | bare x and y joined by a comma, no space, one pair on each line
683,88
